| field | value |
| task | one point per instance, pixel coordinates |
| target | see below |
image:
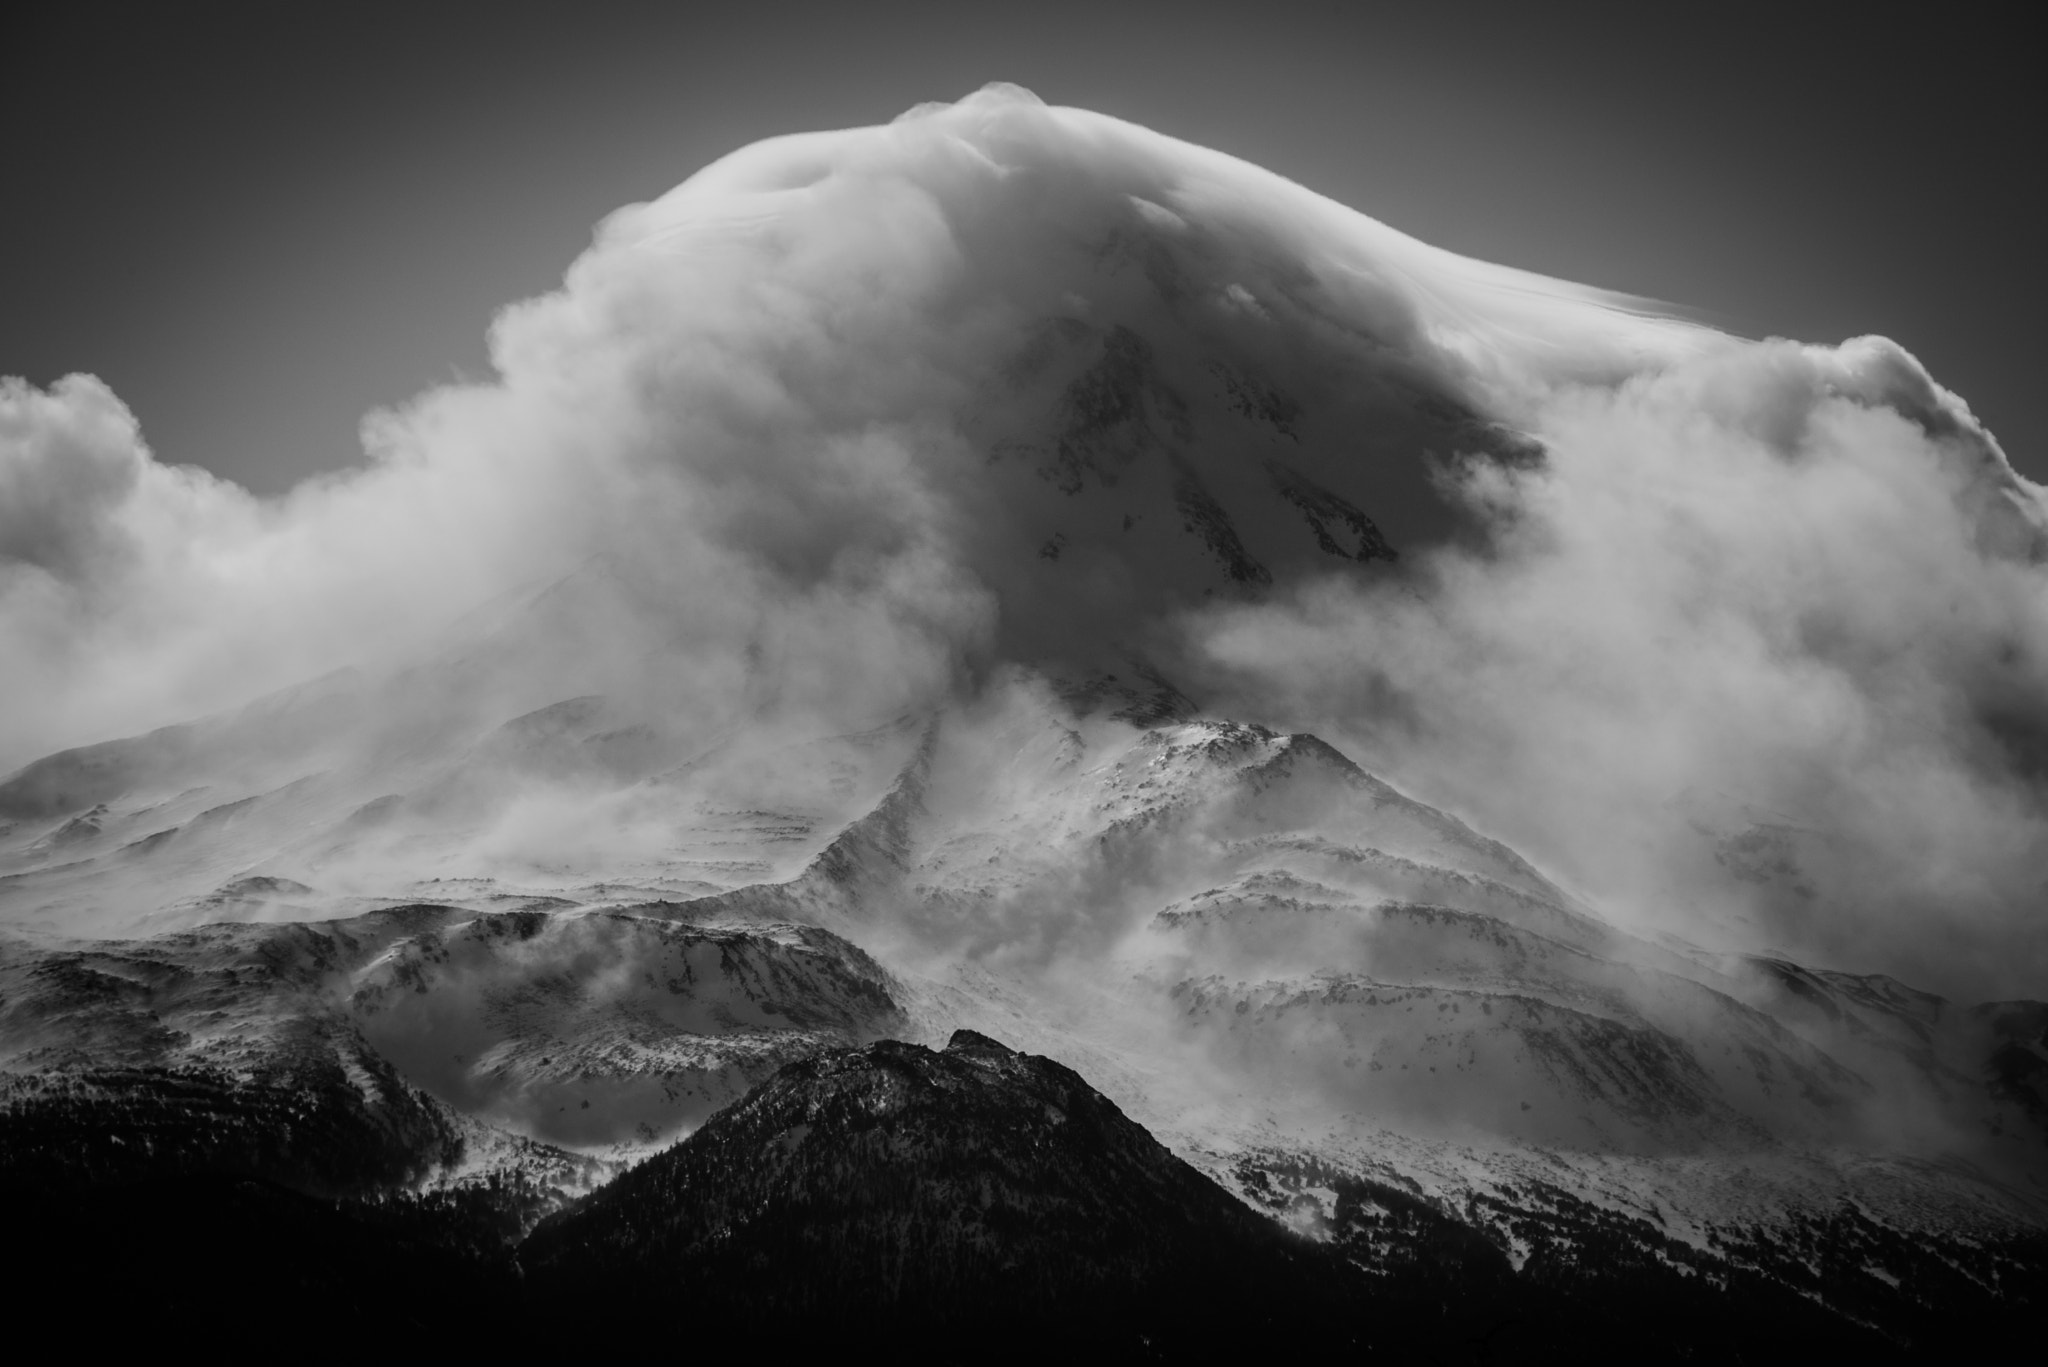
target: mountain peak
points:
(973, 1042)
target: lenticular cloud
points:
(1740, 636)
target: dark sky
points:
(258, 222)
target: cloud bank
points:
(1733, 635)
(1764, 644)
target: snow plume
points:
(1760, 656)
(1747, 631)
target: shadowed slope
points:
(930, 1192)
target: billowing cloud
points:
(1719, 629)
(777, 392)
(1762, 649)
(73, 460)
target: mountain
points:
(1342, 1006)
(931, 1196)
(979, 1201)
(1517, 807)
(419, 1045)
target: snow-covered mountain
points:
(965, 690)
(1290, 971)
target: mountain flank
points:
(903, 1191)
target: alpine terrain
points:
(1005, 731)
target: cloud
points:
(1759, 655)
(72, 459)
(849, 417)
(771, 391)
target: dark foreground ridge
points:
(898, 1190)
(971, 1203)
